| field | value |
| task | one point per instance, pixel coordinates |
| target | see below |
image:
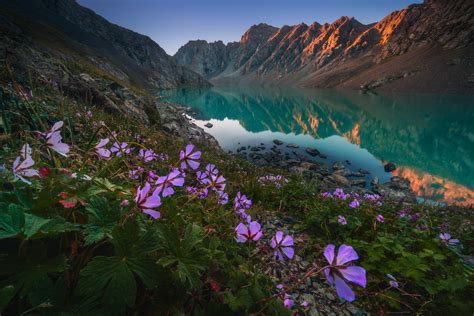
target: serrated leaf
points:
(110, 282)
(103, 216)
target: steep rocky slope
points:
(66, 29)
(404, 51)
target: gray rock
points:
(312, 151)
(292, 146)
(209, 125)
(338, 165)
(277, 142)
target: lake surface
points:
(429, 137)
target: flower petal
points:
(329, 253)
(354, 274)
(152, 213)
(343, 290)
(287, 241)
(288, 251)
(346, 254)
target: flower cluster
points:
(277, 181)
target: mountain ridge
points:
(347, 54)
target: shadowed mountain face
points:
(404, 51)
(430, 137)
(64, 29)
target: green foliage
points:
(69, 245)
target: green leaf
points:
(26, 273)
(110, 281)
(6, 294)
(15, 223)
(103, 216)
(11, 221)
(187, 256)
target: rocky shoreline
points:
(176, 119)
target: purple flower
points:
(372, 197)
(202, 177)
(203, 193)
(280, 286)
(393, 282)
(189, 158)
(415, 217)
(147, 202)
(135, 173)
(211, 169)
(242, 214)
(53, 139)
(120, 149)
(217, 182)
(191, 190)
(100, 149)
(288, 302)
(283, 245)
(326, 195)
(242, 202)
(379, 218)
(250, 231)
(147, 155)
(341, 220)
(165, 184)
(340, 194)
(341, 271)
(354, 204)
(403, 213)
(23, 163)
(223, 198)
(447, 240)
(151, 175)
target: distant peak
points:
(258, 33)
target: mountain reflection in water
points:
(430, 137)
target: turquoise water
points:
(429, 137)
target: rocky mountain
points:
(404, 51)
(66, 31)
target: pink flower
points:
(165, 184)
(251, 231)
(100, 149)
(23, 163)
(341, 271)
(379, 218)
(53, 139)
(147, 202)
(283, 245)
(189, 158)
